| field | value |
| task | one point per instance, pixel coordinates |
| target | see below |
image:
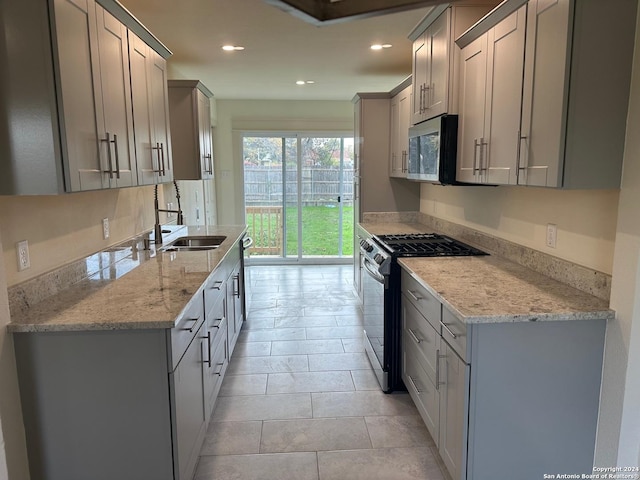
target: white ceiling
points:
(279, 49)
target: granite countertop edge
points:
(167, 281)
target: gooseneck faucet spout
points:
(157, 230)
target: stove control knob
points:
(366, 246)
(378, 258)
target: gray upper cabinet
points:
(435, 60)
(488, 137)
(69, 118)
(150, 113)
(560, 115)
(192, 144)
(574, 108)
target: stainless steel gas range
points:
(381, 294)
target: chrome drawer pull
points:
(414, 296)
(194, 320)
(444, 325)
(413, 384)
(438, 357)
(413, 335)
(217, 285)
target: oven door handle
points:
(377, 276)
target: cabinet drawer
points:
(454, 331)
(422, 390)
(422, 336)
(185, 329)
(428, 305)
(214, 290)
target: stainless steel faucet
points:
(157, 231)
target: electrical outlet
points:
(105, 228)
(22, 251)
(552, 235)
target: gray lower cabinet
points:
(129, 404)
(500, 398)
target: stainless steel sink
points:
(194, 243)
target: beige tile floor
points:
(300, 401)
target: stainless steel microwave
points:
(433, 148)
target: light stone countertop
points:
(148, 291)
(490, 289)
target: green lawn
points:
(319, 231)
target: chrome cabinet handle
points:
(159, 170)
(220, 320)
(115, 142)
(404, 161)
(209, 166)
(520, 139)
(413, 384)
(414, 296)
(109, 157)
(446, 327)
(414, 336)
(425, 97)
(217, 285)
(219, 372)
(208, 339)
(236, 291)
(164, 172)
(483, 164)
(421, 95)
(195, 322)
(476, 144)
(438, 357)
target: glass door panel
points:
(263, 194)
(299, 195)
(292, 233)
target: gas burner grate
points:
(425, 245)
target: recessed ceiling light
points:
(231, 48)
(300, 82)
(303, 82)
(380, 47)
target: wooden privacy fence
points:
(265, 227)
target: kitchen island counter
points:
(143, 289)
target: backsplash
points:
(583, 278)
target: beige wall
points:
(64, 228)
(13, 452)
(586, 219)
(235, 116)
(619, 423)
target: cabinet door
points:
(420, 71)
(544, 93)
(159, 99)
(404, 114)
(395, 163)
(436, 91)
(147, 156)
(454, 393)
(116, 144)
(505, 59)
(473, 80)
(421, 388)
(189, 406)
(204, 134)
(79, 93)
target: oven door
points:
(374, 288)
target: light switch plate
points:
(552, 235)
(105, 228)
(22, 251)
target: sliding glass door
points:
(299, 196)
